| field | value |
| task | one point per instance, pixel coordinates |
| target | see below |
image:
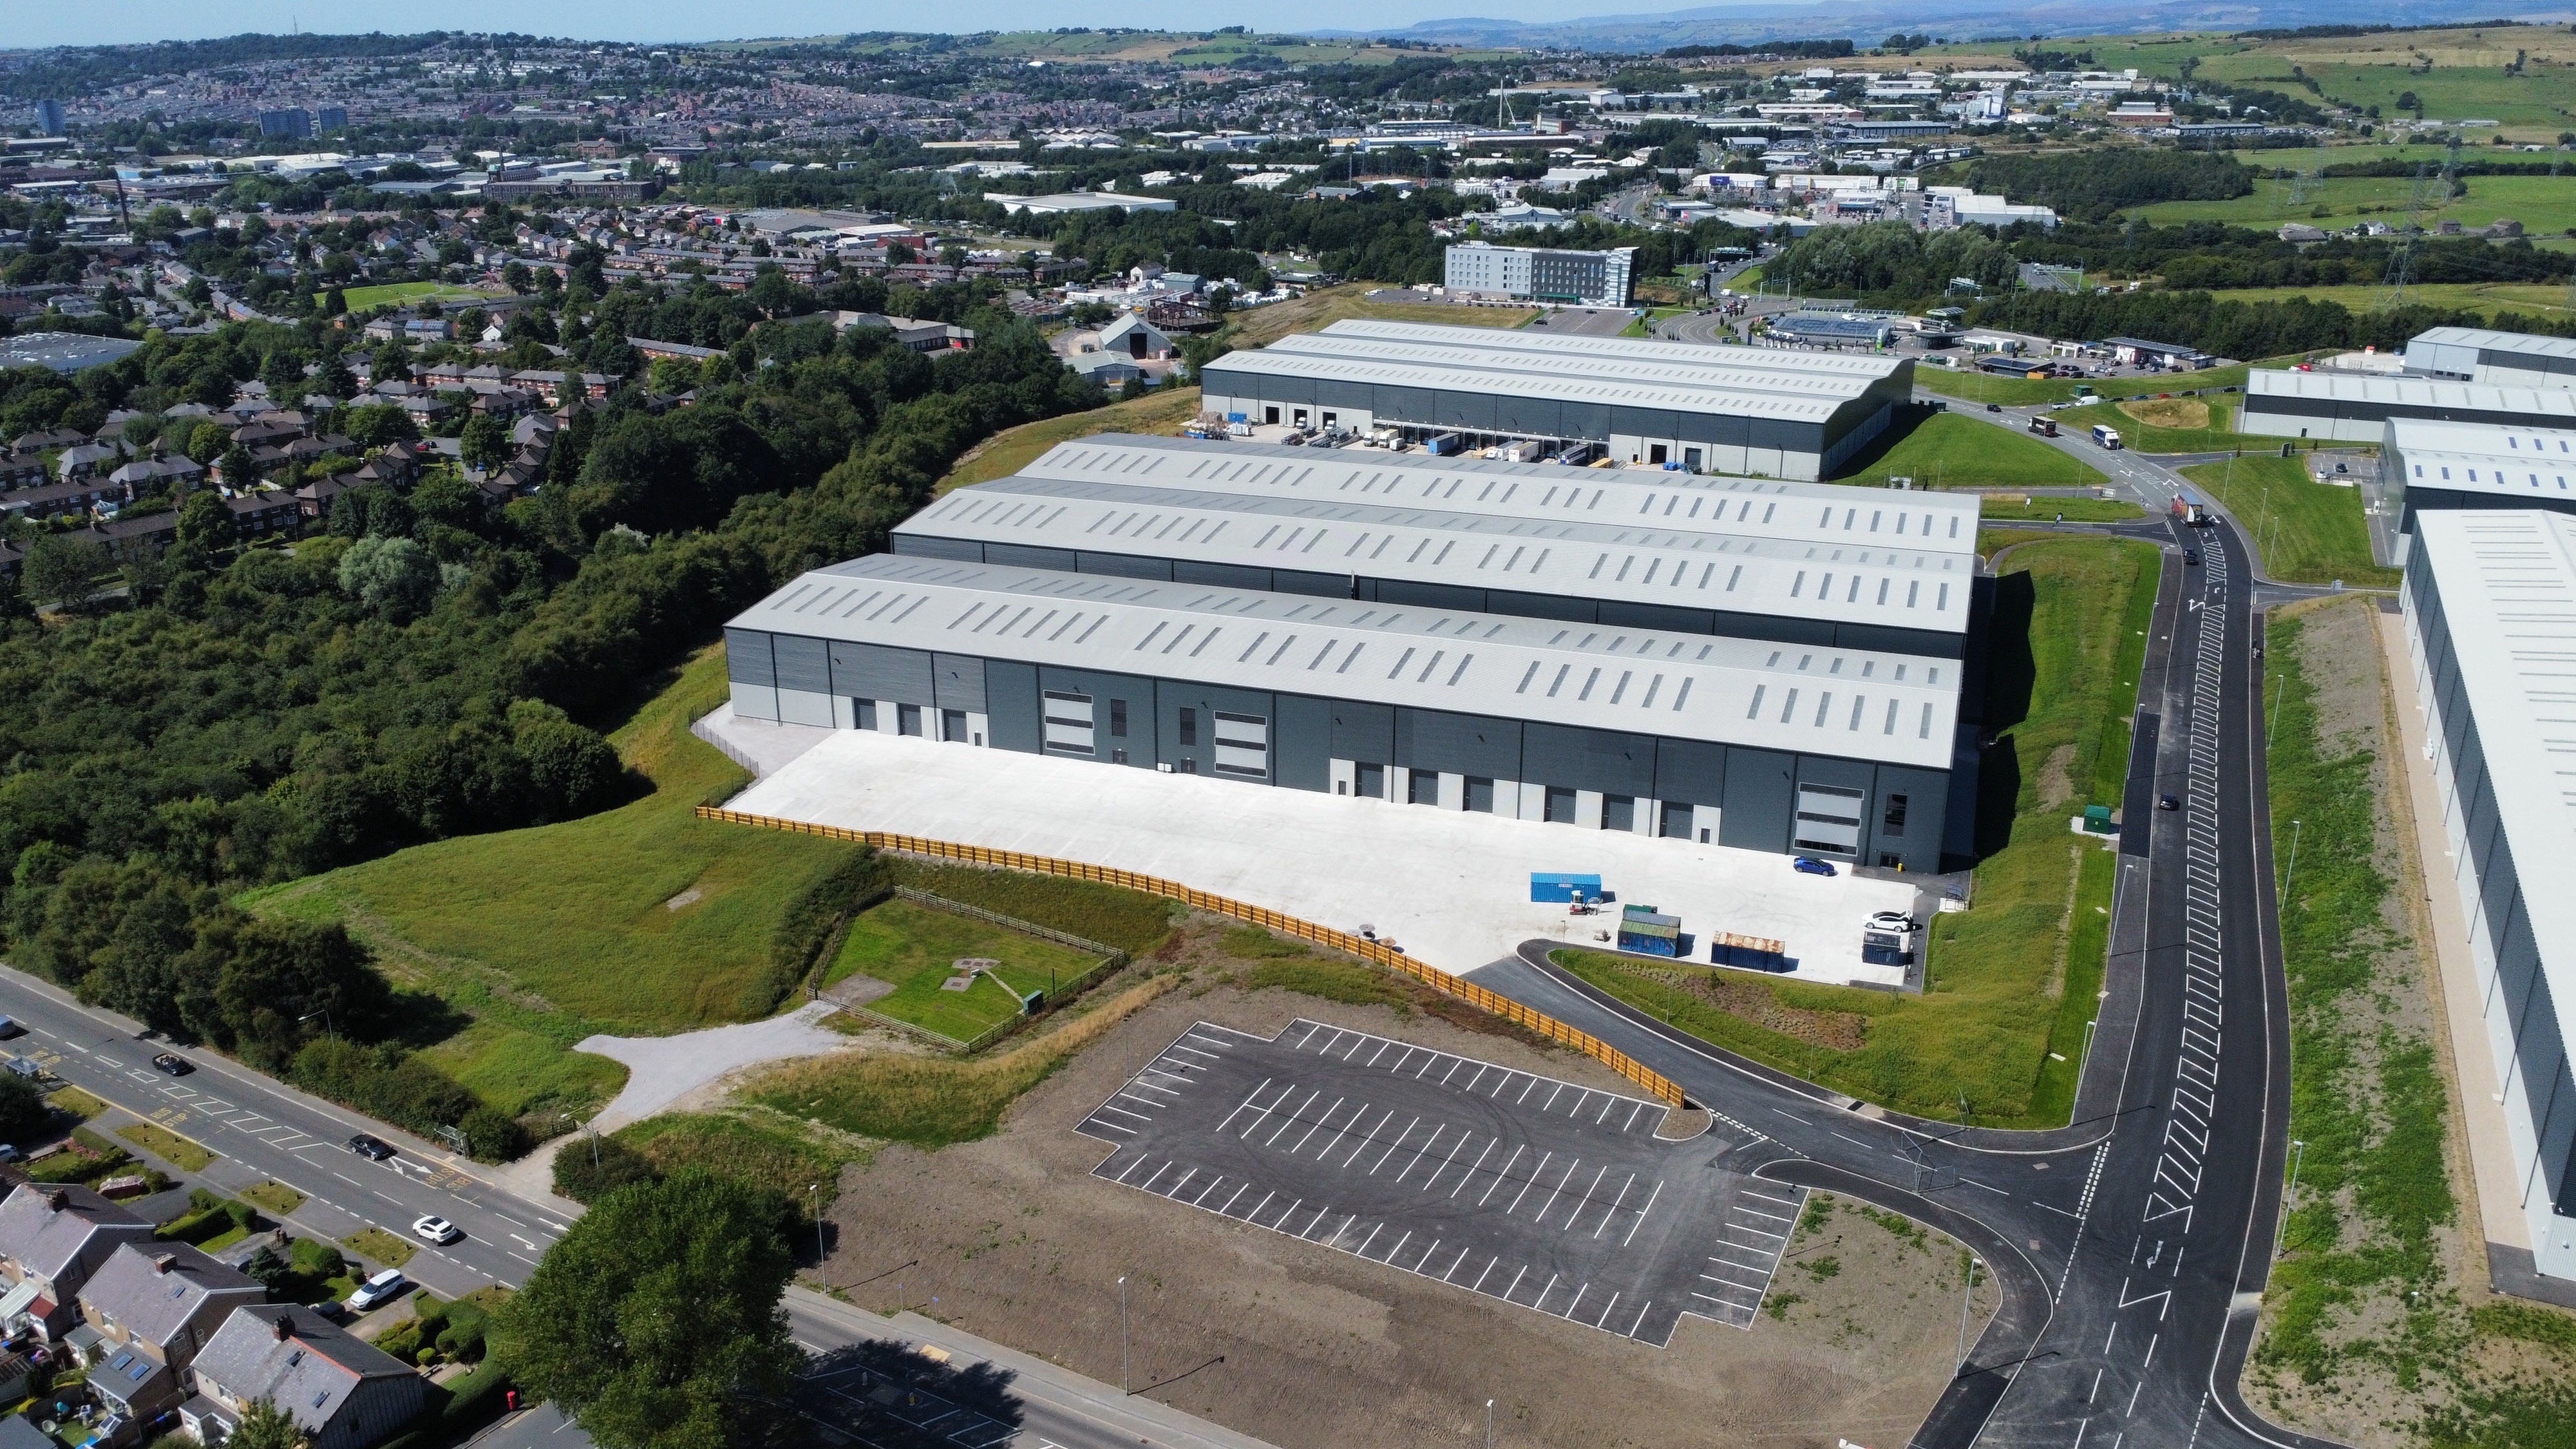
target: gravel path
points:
(667, 1068)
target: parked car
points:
(370, 1147)
(9, 1027)
(1809, 865)
(171, 1064)
(2168, 802)
(378, 1291)
(1894, 922)
(435, 1229)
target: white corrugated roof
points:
(2486, 457)
(1471, 374)
(2410, 392)
(1637, 349)
(2508, 584)
(2523, 343)
(1629, 498)
(1813, 698)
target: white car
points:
(436, 1230)
(383, 1288)
(1893, 922)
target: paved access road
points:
(2133, 1245)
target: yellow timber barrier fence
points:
(1655, 1083)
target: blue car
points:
(1809, 865)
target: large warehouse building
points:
(2499, 359)
(2490, 602)
(1761, 664)
(2355, 409)
(2430, 465)
(1764, 412)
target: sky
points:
(99, 22)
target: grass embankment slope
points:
(2012, 981)
(1969, 385)
(1008, 451)
(2309, 532)
(1947, 450)
(1264, 325)
(914, 949)
(637, 920)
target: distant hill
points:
(1868, 21)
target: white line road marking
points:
(1641, 1213)
(1501, 1173)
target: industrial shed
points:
(2501, 359)
(2350, 409)
(2439, 465)
(1820, 749)
(1735, 557)
(1764, 412)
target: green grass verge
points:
(757, 1145)
(935, 1101)
(169, 1146)
(2046, 508)
(1132, 921)
(2145, 437)
(1947, 450)
(77, 1102)
(2543, 204)
(378, 1246)
(395, 294)
(2309, 532)
(1976, 387)
(2014, 978)
(2365, 1095)
(276, 1197)
(637, 920)
(912, 947)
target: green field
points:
(2309, 532)
(1977, 387)
(910, 947)
(2013, 979)
(2048, 508)
(395, 294)
(2139, 434)
(2545, 205)
(1947, 450)
(2487, 298)
(637, 920)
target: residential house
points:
(176, 474)
(134, 540)
(51, 439)
(552, 385)
(916, 333)
(11, 556)
(344, 1393)
(52, 1238)
(80, 496)
(154, 1306)
(1134, 337)
(87, 460)
(264, 513)
(21, 470)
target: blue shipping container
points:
(1649, 945)
(1563, 889)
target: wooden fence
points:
(1655, 1084)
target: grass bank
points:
(914, 948)
(2046, 508)
(1947, 450)
(1008, 451)
(637, 920)
(2309, 532)
(1969, 385)
(1265, 325)
(2012, 981)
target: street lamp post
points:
(325, 1014)
(1489, 1424)
(2292, 873)
(1967, 1291)
(1122, 1335)
(814, 1195)
(2298, 1155)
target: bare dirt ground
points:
(1016, 1241)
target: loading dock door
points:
(1242, 745)
(1068, 724)
(1828, 820)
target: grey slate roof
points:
(310, 1372)
(49, 1240)
(153, 1304)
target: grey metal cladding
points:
(1428, 596)
(1788, 436)
(1458, 744)
(1021, 555)
(958, 679)
(1301, 743)
(747, 658)
(1407, 404)
(1300, 581)
(1123, 565)
(802, 663)
(1721, 429)
(1888, 639)
(1828, 770)
(1654, 616)
(1644, 422)
(1691, 772)
(1171, 696)
(1775, 627)
(1363, 731)
(1605, 760)
(1755, 815)
(923, 545)
(1278, 389)
(1335, 393)
(1470, 410)
(1583, 419)
(1011, 703)
(1537, 415)
(1567, 607)
(1232, 576)
(879, 671)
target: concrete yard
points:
(1451, 887)
(1547, 1194)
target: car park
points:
(378, 1291)
(171, 1064)
(1809, 865)
(436, 1229)
(371, 1147)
